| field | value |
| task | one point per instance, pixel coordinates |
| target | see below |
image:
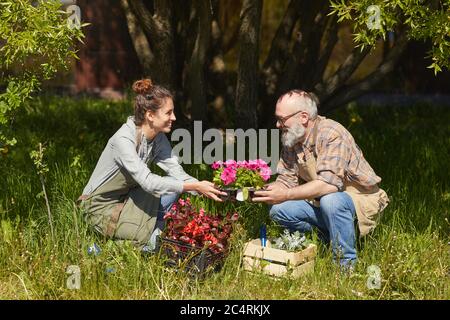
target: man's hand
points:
(274, 193)
(277, 192)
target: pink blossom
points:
(261, 163)
(217, 164)
(231, 164)
(242, 164)
(265, 173)
(228, 176)
(253, 165)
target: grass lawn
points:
(408, 147)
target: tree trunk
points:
(299, 66)
(287, 68)
(196, 74)
(217, 75)
(279, 49)
(329, 39)
(188, 49)
(246, 99)
(273, 67)
(160, 33)
(140, 42)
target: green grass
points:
(407, 147)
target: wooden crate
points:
(276, 262)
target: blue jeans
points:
(334, 220)
(165, 203)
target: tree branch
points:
(311, 53)
(327, 88)
(228, 19)
(306, 47)
(160, 34)
(216, 73)
(140, 42)
(190, 32)
(145, 17)
(279, 49)
(351, 92)
(330, 39)
(196, 83)
(246, 99)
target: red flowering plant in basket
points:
(198, 229)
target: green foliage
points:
(42, 169)
(423, 20)
(36, 41)
(38, 158)
(291, 241)
(248, 178)
(244, 178)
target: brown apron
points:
(368, 203)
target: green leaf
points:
(245, 193)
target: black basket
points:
(194, 260)
(231, 194)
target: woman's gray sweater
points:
(120, 152)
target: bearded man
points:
(323, 180)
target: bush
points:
(36, 41)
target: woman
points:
(123, 199)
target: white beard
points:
(292, 135)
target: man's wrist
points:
(288, 194)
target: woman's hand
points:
(206, 188)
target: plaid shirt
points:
(339, 160)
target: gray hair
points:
(308, 100)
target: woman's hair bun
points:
(142, 86)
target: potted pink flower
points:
(240, 179)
